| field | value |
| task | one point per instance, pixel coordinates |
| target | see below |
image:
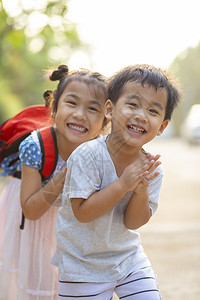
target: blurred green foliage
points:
(186, 67)
(26, 53)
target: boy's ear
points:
(162, 127)
(108, 110)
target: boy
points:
(111, 189)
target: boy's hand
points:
(140, 170)
(136, 172)
(152, 176)
(156, 163)
(142, 187)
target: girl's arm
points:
(35, 199)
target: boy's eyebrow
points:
(134, 96)
(138, 97)
(95, 102)
(158, 105)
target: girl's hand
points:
(59, 179)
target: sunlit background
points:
(117, 33)
(105, 36)
(130, 32)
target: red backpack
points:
(17, 128)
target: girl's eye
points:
(71, 102)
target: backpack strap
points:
(49, 149)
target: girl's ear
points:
(53, 112)
(162, 127)
(108, 110)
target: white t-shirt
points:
(102, 250)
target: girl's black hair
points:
(145, 74)
(95, 81)
(48, 96)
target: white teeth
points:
(77, 128)
(136, 128)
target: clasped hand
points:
(140, 171)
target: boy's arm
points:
(86, 210)
(99, 203)
(138, 211)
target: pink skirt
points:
(25, 269)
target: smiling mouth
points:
(77, 128)
(136, 129)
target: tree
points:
(186, 67)
(36, 37)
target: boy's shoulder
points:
(92, 146)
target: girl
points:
(78, 111)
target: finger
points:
(154, 166)
(141, 164)
(152, 176)
(149, 166)
(154, 157)
(142, 176)
(140, 168)
(145, 181)
(139, 178)
(149, 155)
(146, 157)
(157, 157)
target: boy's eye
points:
(92, 108)
(153, 111)
(133, 104)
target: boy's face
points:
(138, 115)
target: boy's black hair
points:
(145, 74)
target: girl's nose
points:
(79, 114)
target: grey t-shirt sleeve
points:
(83, 178)
(154, 190)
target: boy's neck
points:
(121, 154)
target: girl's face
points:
(79, 115)
(138, 115)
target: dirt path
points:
(172, 238)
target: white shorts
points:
(140, 284)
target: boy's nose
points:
(141, 116)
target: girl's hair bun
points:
(60, 73)
(48, 96)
